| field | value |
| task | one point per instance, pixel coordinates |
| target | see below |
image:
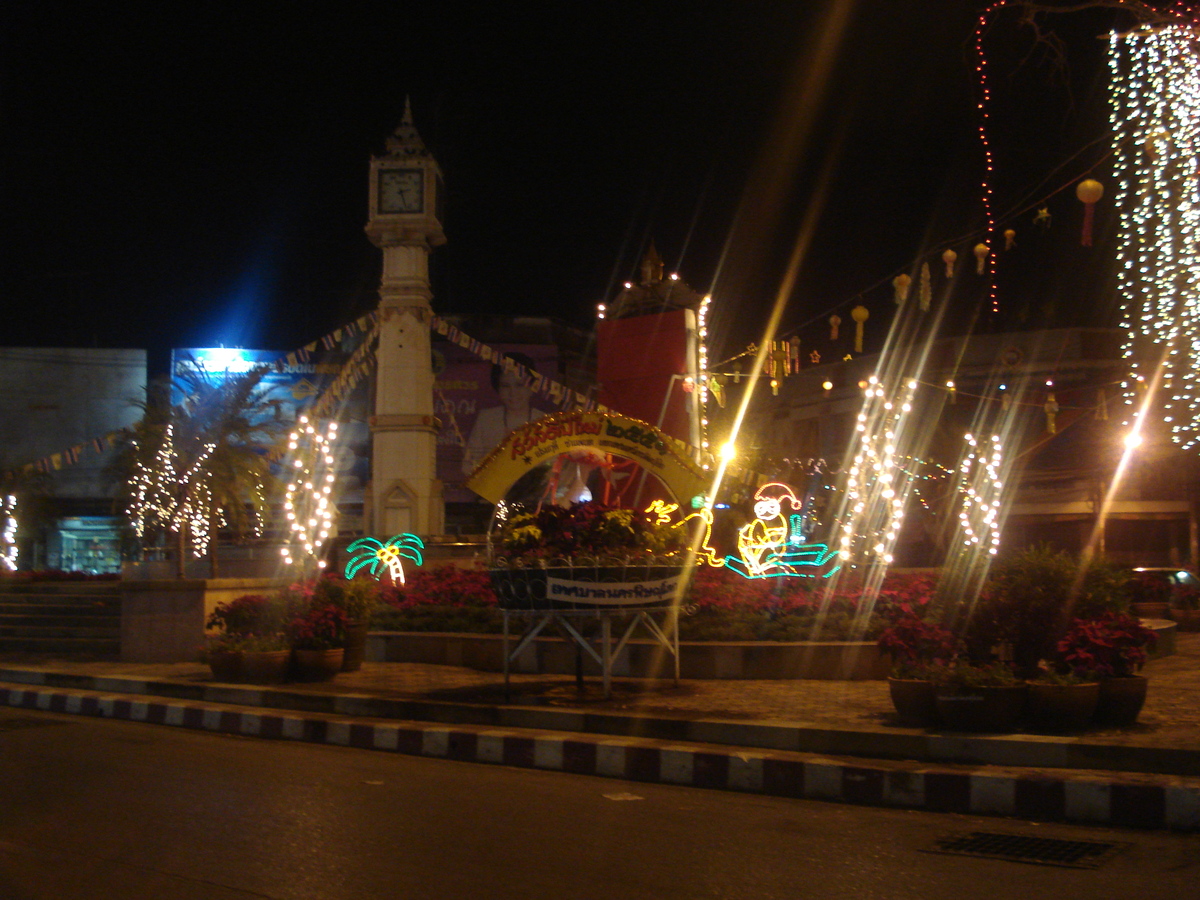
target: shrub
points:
(914, 644)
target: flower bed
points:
(721, 606)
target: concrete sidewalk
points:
(827, 739)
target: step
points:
(9, 620)
(106, 647)
(89, 633)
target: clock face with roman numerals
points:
(401, 191)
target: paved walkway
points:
(769, 736)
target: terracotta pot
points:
(317, 665)
(264, 666)
(1121, 700)
(915, 701)
(226, 665)
(993, 709)
(1061, 707)
(356, 646)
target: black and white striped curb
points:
(1133, 800)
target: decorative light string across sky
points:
(308, 503)
(1155, 112)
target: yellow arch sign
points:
(538, 442)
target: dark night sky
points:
(195, 174)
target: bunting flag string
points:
(561, 395)
(364, 325)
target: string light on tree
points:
(8, 535)
(979, 487)
(877, 485)
(153, 500)
(1155, 113)
(308, 503)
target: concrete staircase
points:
(73, 618)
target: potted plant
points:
(919, 650)
(980, 697)
(318, 637)
(249, 644)
(1029, 600)
(358, 598)
(1114, 647)
(1150, 593)
(553, 557)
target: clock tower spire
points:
(404, 222)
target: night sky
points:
(179, 175)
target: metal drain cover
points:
(1037, 850)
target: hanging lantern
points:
(949, 257)
(737, 373)
(1051, 408)
(1089, 193)
(795, 347)
(952, 389)
(1010, 238)
(900, 284)
(981, 255)
(859, 314)
(716, 386)
(834, 322)
(779, 353)
(925, 291)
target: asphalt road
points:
(98, 809)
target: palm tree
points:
(384, 554)
(201, 465)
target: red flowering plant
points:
(319, 628)
(591, 531)
(1112, 646)
(444, 598)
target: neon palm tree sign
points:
(376, 555)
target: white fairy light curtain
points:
(1155, 112)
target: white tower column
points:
(406, 494)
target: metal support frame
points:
(603, 652)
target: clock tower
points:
(404, 222)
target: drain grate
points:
(1037, 850)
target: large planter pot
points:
(915, 701)
(1061, 707)
(356, 646)
(317, 665)
(1121, 700)
(585, 586)
(1186, 619)
(264, 666)
(226, 665)
(994, 709)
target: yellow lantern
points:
(900, 284)
(1010, 238)
(1089, 192)
(859, 314)
(981, 255)
(949, 257)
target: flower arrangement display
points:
(1112, 646)
(588, 531)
